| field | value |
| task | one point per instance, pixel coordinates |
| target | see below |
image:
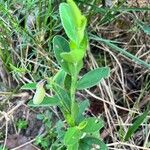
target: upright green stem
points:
(73, 90)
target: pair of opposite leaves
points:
(74, 24)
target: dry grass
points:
(120, 98)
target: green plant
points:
(46, 118)
(45, 140)
(35, 24)
(2, 148)
(82, 133)
(21, 124)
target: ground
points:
(26, 55)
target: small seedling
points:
(82, 133)
(21, 124)
(43, 142)
(52, 132)
(46, 118)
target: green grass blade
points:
(136, 125)
(119, 9)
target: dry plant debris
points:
(118, 100)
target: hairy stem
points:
(73, 89)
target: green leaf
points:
(80, 20)
(47, 101)
(68, 21)
(82, 106)
(62, 95)
(81, 29)
(18, 70)
(82, 125)
(136, 125)
(75, 11)
(92, 125)
(83, 45)
(72, 136)
(61, 45)
(75, 68)
(73, 56)
(144, 27)
(39, 94)
(77, 51)
(73, 147)
(59, 126)
(87, 143)
(59, 77)
(29, 86)
(93, 77)
(83, 145)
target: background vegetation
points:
(119, 34)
